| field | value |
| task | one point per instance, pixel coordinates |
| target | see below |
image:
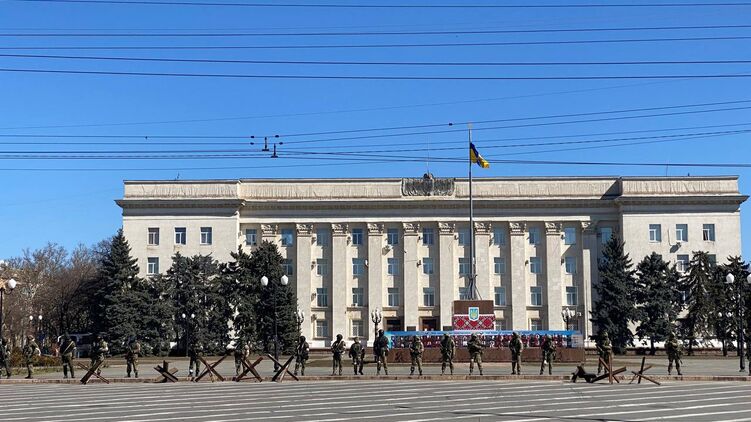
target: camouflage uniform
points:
(5, 357)
(241, 352)
(99, 350)
(301, 355)
(67, 351)
(30, 351)
(194, 352)
(416, 349)
(448, 350)
(548, 354)
(356, 353)
(337, 348)
(516, 347)
(132, 352)
(381, 351)
(475, 346)
(674, 349)
(604, 349)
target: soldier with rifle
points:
(475, 346)
(381, 352)
(132, 352)
(4, 357)
(604, 350)
(99, 350)
(240, 353)
(30, 352)
(448, 350)
(67, 352)
(194, 351)
(301, 355)
(516, 347)
(416, 349)
(674, 350)
(356, 352)
(337, 348)
(548, 354)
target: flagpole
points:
(472, 272)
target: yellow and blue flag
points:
(475, 157)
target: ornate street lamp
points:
(568, 314)
(730, 279)
(376, 316)
(300, 318)
(5, 286)
(265, 282)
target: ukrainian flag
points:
(475, 157)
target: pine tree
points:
(157, 310)
(658, 298)
(726, 297)
(615, 307)
(242, 289)
(697, 283)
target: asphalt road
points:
(403, 401)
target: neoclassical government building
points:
(402, 245)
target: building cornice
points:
(180, 203)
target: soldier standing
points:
(4, 357)
(416, 348)
(194, 351)
(475, 347)
(241, 352)
(674, 349)
(132, 352)
(516, 347)
(356, 353)
(30, 351)
(337, 348)
(99, 350)
(381, 351)
(67, 351)
(301, 355)
(448, 350)
(548, 354)
(604, 349)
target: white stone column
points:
(482, 264)
(304, 274)
(411, 285)
(554, 299)
(375, 273)
(446, 272)
(518, 276)
(589, 270)
(340, 273)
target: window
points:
(357, 236)
(251, 237)
(499, 264)
(464, 266)
(464, 237)
(499, 237)
(712, 260)
(181, 235)
(322, 266)
(569, 236)
(322, 237)
(605, 234)
(500, 296)
(572, 298)
(534, 235)
(288, 237)
(392, 266)
(358, 266)
(322, 328)
(322, 297)
(206, 235)
(535, 324)
(535, 295)
(393, 293)
(428, 296)
(357, 328)
(681, 263)
(655, 233)
(288, 267)
(428, 236)
(152, 266)
(464, 293)
(427, 265)
(570, 264)
(357, 296)
(535, 265)
(707, 231)
(500, 324)
(392, 236)
(153, 236)
(681, 232)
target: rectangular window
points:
(535, 324)
(322, 266)
(535, 265)
(464, 266)
(153, 236)
(570, 264)
(535, 296)
(322, 297)
(427, 265)
(534, 235)
(322, 328)
(681, 232)
(428, 237)
(251, 237)
(357, 236)
(206, 235)
(500, 296)
(499, 237)
(707, 231)
(358, 296)
(358, 267)
(572, 298)
(569, 236)
(181, 235)
(357, 328)
(655, 233)
(323, 237)
(392, 266)
(152, 266)
(393, 293)
(288, 237)
(428, 296)
(681, 263)
(392, 236)
(712, 260)
(500, 324)
(464, 293)
(288, 267)
(605, 234)
(499, 265)
(464, 237)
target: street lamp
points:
(730, 279)
(187, 328)
(8, 286)
(299, 317)
(568, 314)
(376, 316)
(265, 282)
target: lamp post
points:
(568, 314)
(730, 279)
(5, 286)
(265, 282)
(187, 324)
(376, 316)
(300, 318)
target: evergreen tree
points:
(698, 285)
(658, 297)
(725, 298)
(242, 288)
(615, 306)
(157, 310)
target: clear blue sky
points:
(71, 207)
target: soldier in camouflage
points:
(240, 353)
(604, 350)
(132, 352)
(548, 354)
(516, 347)
(448, 350)
(194, 351)
(4, 357)
(301, 355)
(337, 348)
(475, 346)
(381, 352)
(99, 350)
(356, 353)
(30, 352)
(416, 348)
(674, 350)
(67, 352)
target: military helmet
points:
(302, 339)
(515, 334)
(380, 332)
(605, 334)
(446, 335)
(357, 339)
(338, 336)
(30, 337)
(414, 338)
(547, 337)
(66, 336)
(473, 335)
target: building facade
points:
(402, 245)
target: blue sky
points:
(53, 203)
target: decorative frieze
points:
(339, 229)
(517, 228)
(411, 228)
(446, 228)
(304, 229)
(269, 229)
(375, 228)
(553, 228)
(483, 227)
